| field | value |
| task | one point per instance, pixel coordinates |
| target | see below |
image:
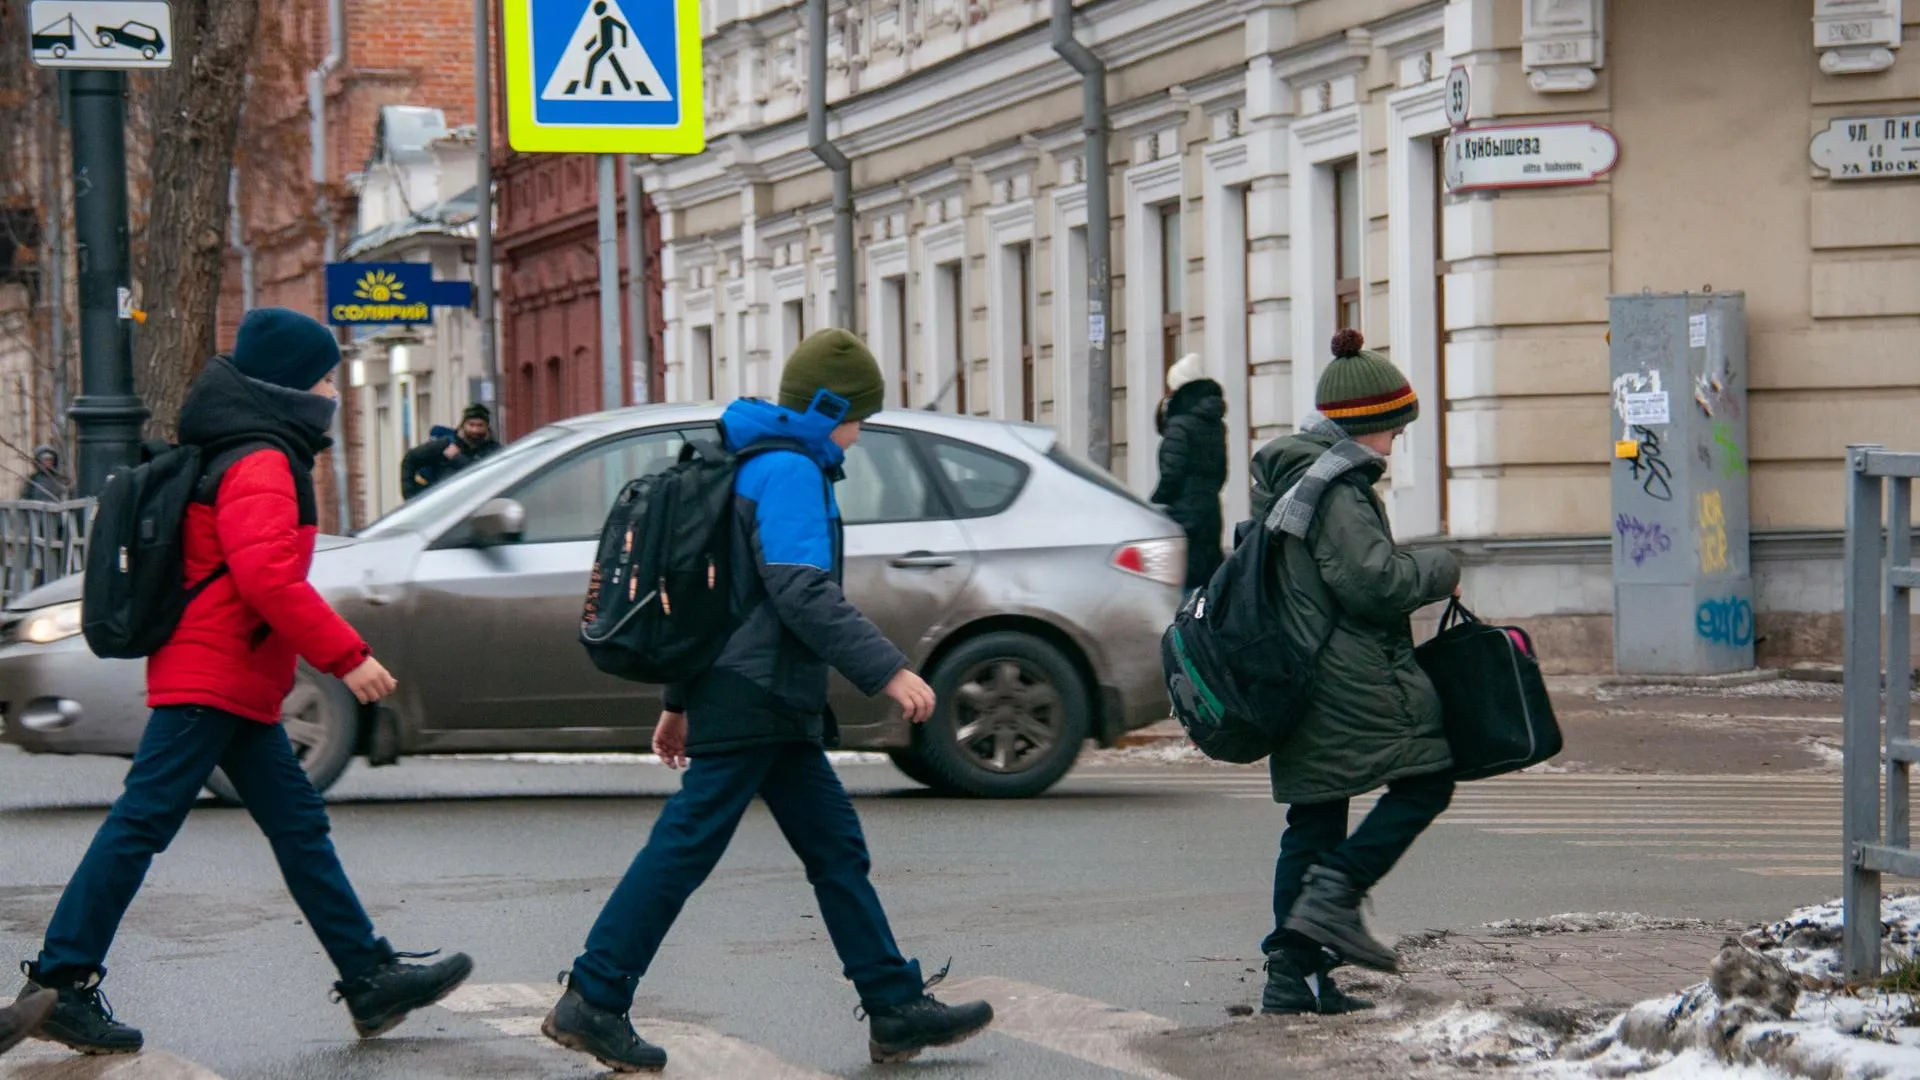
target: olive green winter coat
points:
(1372, 716)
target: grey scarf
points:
(1293, 512)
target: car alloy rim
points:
(304, 716)
(1007, 716)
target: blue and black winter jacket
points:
(770, 683)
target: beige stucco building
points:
(1276, 171)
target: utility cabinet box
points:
(1682, 582)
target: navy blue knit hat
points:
(285, 348)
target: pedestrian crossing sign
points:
(604, 76)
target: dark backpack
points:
(1237, 680)
(660, 599)
(135, 591)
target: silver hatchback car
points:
(1029, 587)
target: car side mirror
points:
(498, 521)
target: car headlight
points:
(50, 624)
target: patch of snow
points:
(1463, 1035)
(1620, 1061)
(1583, 922)
(1162, 752)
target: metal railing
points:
(41, 542)
(1880, 580)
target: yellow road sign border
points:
(530, 137)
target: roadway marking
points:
(693, 1051)
(47, 1061)
(1093, 1031)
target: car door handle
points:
(922, 560)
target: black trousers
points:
(1317, 835)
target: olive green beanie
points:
(837, 361)
(1362, 391)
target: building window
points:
(1346, 244)
(700, 363)
(950, 326)
(423, 400)
(554, 405)
(742, 370)
(1173, 280)
(1440, 268)
(893, 331)
(1023, 278)
(793, 316)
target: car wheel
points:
(106, 39)
(909, 761)
(320, 717)
(59, 52)
(1013, 713)
(149, 52)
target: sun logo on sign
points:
(379, 286)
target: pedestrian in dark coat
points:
(756, 723)
(216, 688)
(447, 452)
(46, 483)
(1372, 717)
(1193, 464)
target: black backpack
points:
(135, 591)
(1238, 682)
(660, 599)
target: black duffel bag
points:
(1493, 699)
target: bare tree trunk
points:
(196, 119)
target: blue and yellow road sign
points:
(604, 76)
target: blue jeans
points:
(805, 797)
(1317, 834)
(180, 749)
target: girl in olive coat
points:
(1372, 716)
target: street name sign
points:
(389, 294)
(604, 76)
(1459, 97)
(100, 33)
(1529, 155)
(1869, 147)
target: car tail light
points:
(1164, 561)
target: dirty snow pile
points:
(1776, 1001)
(1775, 1007)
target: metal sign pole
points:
(108, 415)
(637, 283)
(611, 395)
(483, 219)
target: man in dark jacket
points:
(757, 723)
(1193, 464)
(1372, 716)
(46, 484)
(445, 454)
(216, 689)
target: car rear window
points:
(1087, 470)
(981, 482)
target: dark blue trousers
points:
(1317, 834)
(180, 749)
(816, 816)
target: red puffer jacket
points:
(236, 647)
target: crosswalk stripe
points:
(1093, 1031)
(695, 1052)
(44, 1061)
(1713, 843)
(1754, 830)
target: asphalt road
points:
(1131, 899)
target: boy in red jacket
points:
(216, 687)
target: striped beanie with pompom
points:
(1362, 392)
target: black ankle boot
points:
(899, 1032)
(1332, 1000)
(1288, 993)
(82, 1020)
(382, 998)
(1328, 913)
(578, 1024)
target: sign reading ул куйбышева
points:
(389, 294)
(1869, 147)
(1528, 155)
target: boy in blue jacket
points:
(757, 723)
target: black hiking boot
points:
(1288, 993)
(24, 1017)
(1328, 913)
(578, 1024)
(899, 1032)
(382, 998)
(81, 1020)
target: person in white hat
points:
(1193, 463)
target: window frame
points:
(957, 509)
(941, 504)
(687, 432)
(1346, 290)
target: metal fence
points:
(41, 542)
(1880, 580)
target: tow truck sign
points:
(101, 33)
